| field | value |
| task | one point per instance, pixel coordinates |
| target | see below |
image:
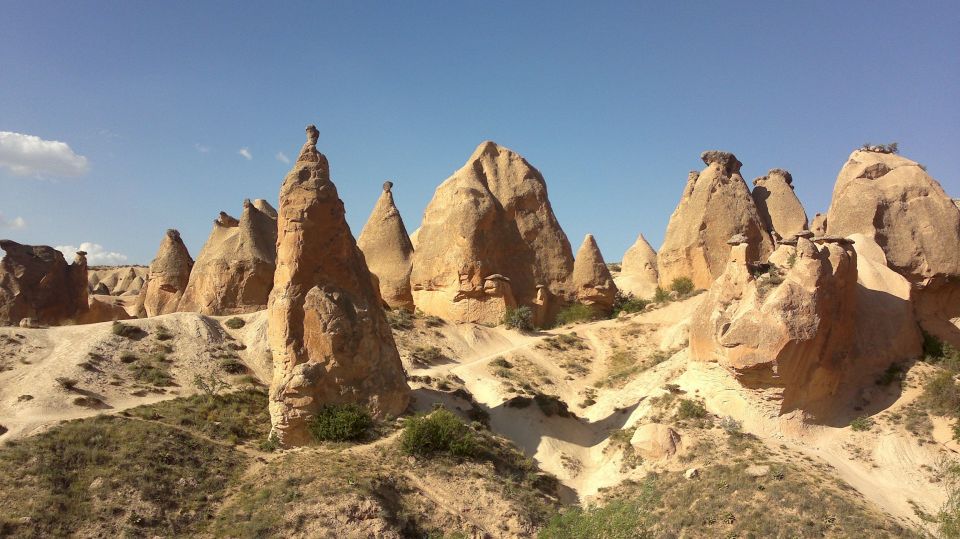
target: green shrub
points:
(682, 285)
(660, 295)
(941, 395)
(440, 432)
(625, 302)
(691, 409)
(861, 424)
(426, 355)
(932, 347)
(894, 373)
(400, 319)
(577, 312)
(619, 519)
(340, 423)
(501, 361)
(123, 330)
(520, 318)
(66, 383)
(551, 405)
(232, 366)
(234, 323)
(163, 334)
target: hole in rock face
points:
(724, 329)
(875, 171)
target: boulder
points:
(37, 283)
(638, 269)
(103, 309)
(328, 333)
(167, 277)
(233, 273)
(591, 279)
(655, 441)
(778, 206)
(819, 225)
(716, 204)
(388, 251)
(491, 217)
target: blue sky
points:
(613, 102)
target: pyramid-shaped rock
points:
(327, 329)
(491, 218)
(715, 206)
(37, 283)
(167, 277)
(777, 204)
(233, 273)
(638, 269)
(591, 278)
(388, 251)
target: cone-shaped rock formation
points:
(388, 251)
(591, 278)
(777, 204)
(167, 277)
(638, 269)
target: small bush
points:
(234, 323)
(210, 385)
(520, 318)
(128, 357)
(426, 355)
(340, 423)
(861, 424)
(617, 519)
(551, 405)
(441, 431)
(269, 445)
(577, 312)
(894, 373)
(163, 334)
(731, 425)
(625, 302)
(682, 285)
(941, 395)
(123, 330)
(232, 366)
(400, 319)
(690, 409)
(66, 383)
(501, 362)
(661, 296)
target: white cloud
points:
(96, 254)
(283, 158)
(245, 152)
(201, 148)
(29, 155)
(15, 224)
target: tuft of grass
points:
(440, 432)
(577, 312)
(340, 423)
(400, 319)
(426, 355)
(123, 330)
(520, 318)
(163, 334)
(153, 369)
(233, 366)
(619, 519)
(501, 362)
(625, 302)
(682, 285)
(234, 323)
(235, 417)
(862, 424)
(661, 296)
(66, 383)
(691, 409)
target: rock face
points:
(655, 441)
(819, 226)
(778, 206)
(638, 269)
(234, 272)
(327, 330)
(794, 338)
(491, 217)
(591, 279)
(167, 277)
(716, 204)
(37, 283)
(119, 281)
(388, 251)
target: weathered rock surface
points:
(819, 225)
(118, 280)
(491, 217)
(327, 330)
(778, 206)
(167, 277)
(37, 283)
(591, 279)
(716, 204)
(103, 309)
(638, 269)
(388, 251)
(233, 273)
(655, 441)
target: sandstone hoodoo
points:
(638, 269)
(819, 225)
(388, 251)
(491, 217)
(167, 277)
(327, 330)
(37, 283)
(778, 206)
(591, 279)
(716, 204)
(234, 272)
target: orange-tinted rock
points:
(388, 251)
(167, 277)
(591, 279)
(37, 283)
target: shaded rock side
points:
(778, 206)
(37, 283)
(388, 251)
(591, 278)
(638, 269)
(233, 273)
(327, 330)
(491, 217)
(716, 205)
(167, 277)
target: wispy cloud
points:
(14, 224)
(282, 158)
(30, 155)
(201, 148)
(96, 254)
(245, 152)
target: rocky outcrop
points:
(234, 272)
(388, 251)
(327, 330)
(37, 283)
(103, 309)
(638, 269)
(591, 279)
(778, 206)
(819, 225)
(167, 277)
(716, 204)
(119, 281)
(655, 441)
(491, 217)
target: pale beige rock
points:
(233, 273)
(103, 309)
(118, 280)
(778, 206)
(167, 277)
(655, 441)
(327, 330)
(819, 226)
(638, 269)
(490, 217)
(37, 283)
(716, 204)
(388, 251)
(591, 279)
